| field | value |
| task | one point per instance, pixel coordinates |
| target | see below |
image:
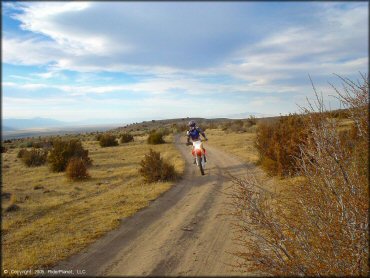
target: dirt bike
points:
(199, 153)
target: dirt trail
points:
(182, 233)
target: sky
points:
(131, 61)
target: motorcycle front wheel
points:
(199, 160)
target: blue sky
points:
(117, 61)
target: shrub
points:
(319, 227)
(76, 169)
(164, 131)
(251, 121)
(278, 144)
(21, 153)
(154, 168)
(155, 138)
(237, 126)
(179, 127)
(3, 149)
(108, 140)
(34, 157)
(63, 151)
(98, 136)
(210, 125)
(126, 138)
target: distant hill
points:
(14, 124)
(7, 128)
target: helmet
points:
(192, 123)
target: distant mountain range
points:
(16, 124)
(9, 125)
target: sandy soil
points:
(185, 232)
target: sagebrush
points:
(76, 169)
(63, 151)
(155, 138)
(108, 140)
(278, 143)
(126, 138)
(34, 157)
(153, 168)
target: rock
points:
(37, 187)
(46, 191)
(11, 208)
(188, 229)
(6, 195)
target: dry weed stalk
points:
(320, 227)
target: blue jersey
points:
(194, 133)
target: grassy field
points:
(238, 144)
(57, 217)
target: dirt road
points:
(182, 233)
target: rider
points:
(194, 133)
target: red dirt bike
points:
(199, 153)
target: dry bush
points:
(126, 138)
(98, 136)
(108, 140)
(34, 157)
(154, 168)
(21, 152)
(251, 121)
(180, 127)
(278, 144)
(3, 149)
(320, 226)
(155, 138)
(76, 169)
(164, 131)
(63, 151)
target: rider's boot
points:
(194, 161)
(205, 158)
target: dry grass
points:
(58, 218)
(238, 144)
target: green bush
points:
(154, 168)
(155, 138)
(108, 140)
(278, 144)
(76, 169)
(126, 138)
(63, 151)
(34, 157)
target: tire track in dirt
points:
(183, 232)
